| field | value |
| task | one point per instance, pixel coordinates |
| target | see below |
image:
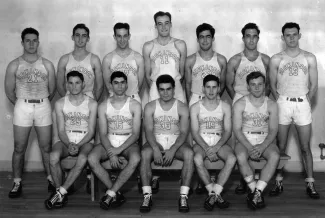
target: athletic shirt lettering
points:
(211, 121)
(84, 67)
(129, 66)
(76, 117)
(255, 119)
(203, 68)
(119, 121)
(166, 122)
(246, 67)
(166, 60)
(32, 80)
(293, 75)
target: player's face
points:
(80, 38)
(291, 37)
(122, 38)
(256, 87)
(119, 85)
(30, 43)
(205, 40)
(250, 39)
(211, 90)
(75, 85)
(166, 91)
(163, 25)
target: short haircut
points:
(250, 26)
(254, 75)
(75, 73)
(121, 26)
(118, 74)
(81, 26)
(289, 26)
(160, 14)
(165, 78)
(29, 30)
(209, 78)
(203, 27)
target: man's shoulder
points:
(308, 54)
(60, 101)
(235, 59)
(13, 65)
(134, 104)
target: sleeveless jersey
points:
(255, 119)
(32, 80)
(211, 121)
(166, 122)
(165, 59)
(84, 67)
(128, 66)
(76, 117)
(119, 121)
(202, 68)
(293, 75)
(246, 67)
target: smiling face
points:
(291, 37)
(80, 38)
(205, 40)
(122, 38)
(30, 43)
(250, 39)
(256, 87)
(163, 25)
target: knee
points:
(92, 159)
(274, 156)
(305, 149)
(82, 160)
(241, 157)
(198, 160)
(188, 155)
(135, 160)
(231, 160)
(54, 158)
(20, 149)
(146, 154)
(46, 149)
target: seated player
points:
(76, 119)
(211, 129)
(255, 124)
(166, 127)
(119, 130)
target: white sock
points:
(309, 180)
(111, 193)
(184, 190)
(209, 187)
(155, 177)
(146, 189)
(261, 185)
(62, 190)
(250, 182)
(17, 180)
(279, 178)
(217, 189)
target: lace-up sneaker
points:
(118, 200)
(146, 204)
(277, 189)
(56, 200)
(155, 186)
(106, 202)
(256, 200)
(221, 203)
(311, 191)
(210, 201)
(16, 190)
(183, 204)
(51, 188)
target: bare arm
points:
(10, 81)
(95, 62)
(273, 124)
(60, 122)
(140, 62)
(146, 50)
(189, 63)
(266, 62)
(149, 125)
(230, 76)
(273, 71)
(313, 76)
(227, 125)
(52, 80)
(223, 65)
(60, 83)
(103, 126)
(106, 63)
(181, 47)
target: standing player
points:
(124, 59)
(30, 85)
(211, 129)
(294, 82)
(164, 55)
(204, 62)
(255, 123)
(119, 130)
(76, 120)
(166, 126)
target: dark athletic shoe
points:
(56, 200)
(256, 200)
(51, 188)
(16, 190)
(241, 187)
(183, 204)
(210, 201)
(106, 202)
(221, 203)
(147, 203)
(311, 191)
(277, 189)
(118, 200)
(155, 186)
(200, 189)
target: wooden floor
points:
(292, 203)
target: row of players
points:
(292, 75)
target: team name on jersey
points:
(164, 55)
(165, 122)
(32, 75)
(211, 122)
(82, 70)
(256, 119)
(75, 118)
(205, 70)
(293, 68)
(248, 69)
(125, 68)
(117, 121)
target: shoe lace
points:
(146, 200)
(312, 187)
(183, 201)
(276, 185)
(57, 197)
(108, 199)
(257, 197)
(16, 187)
(212, 199)
(219, 199)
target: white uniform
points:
(292, 86)
(166, 61)
(166, 125)
(119, 123)
(76, 119)
(201, 69)
(32, 91)
(84, 67)
(127, 65)
(246, 67)
(255, 120)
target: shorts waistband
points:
(164, 134)
(33, 101)
(77, 131)
(260, 133)
(120, 133)
(211, 133)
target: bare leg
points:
(145, 164)
(199, 156)
(282, 143)
(227, 155)
(44, 134)
(59, 151)
(304, 133)
(185, 153)
(272, 155)
(242, 159)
